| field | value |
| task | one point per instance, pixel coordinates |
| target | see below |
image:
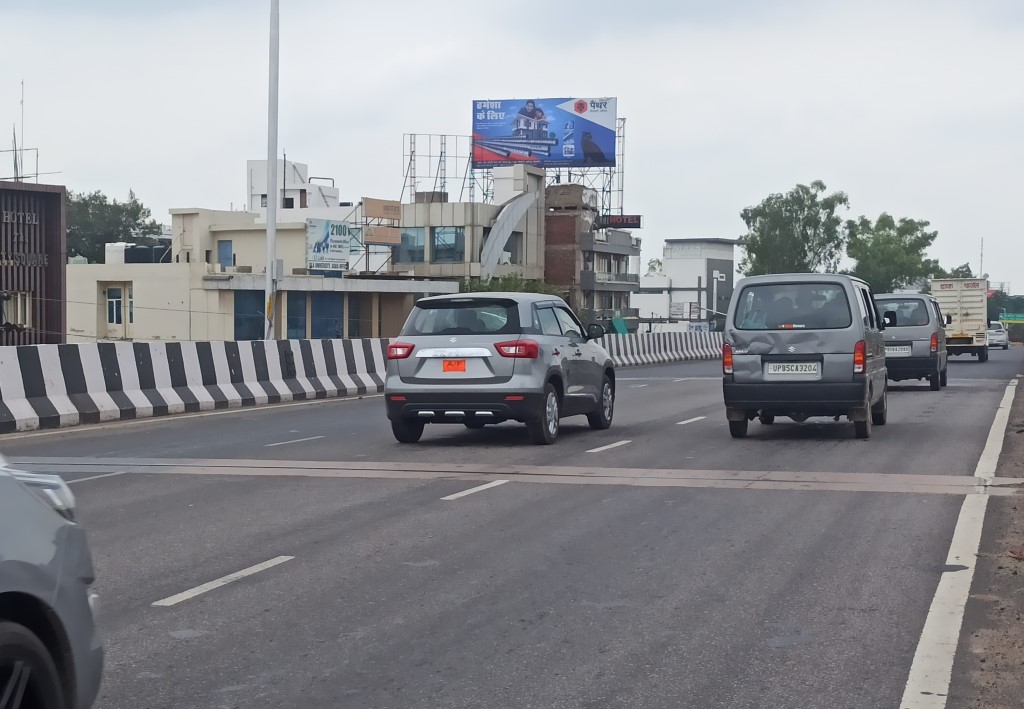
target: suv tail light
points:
(400, 350)
(935, 342)
(518, 349)
(860, 354)
(726, 358)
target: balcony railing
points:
(603, 277)
(608, 314)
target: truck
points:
(964, 303)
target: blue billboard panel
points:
(544, 132)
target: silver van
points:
(915, 342)
(802, 345)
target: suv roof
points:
(517, 297)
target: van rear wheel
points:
(738, 429)
(935, 379)
(863, 428)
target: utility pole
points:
(272, 195)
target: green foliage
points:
(890, 253)
(95, 220)
(796, 232)
(1002, 302)
(962, 271)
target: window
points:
(794, 306)
(569, 325)
(908, 311)
(17, 309)
(469, 316)
(225, 253)
(296, 315)
(548, 322)
(448, 244)
(411, 249)
(131, 305)
(327, 315)
(869, 306)
(303, 200)
(250, 320)
(289, 202)
(263, 200)
(114, 306)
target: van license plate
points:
(897, 350)
(798, 370)
(453, 365)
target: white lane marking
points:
(640, 386)
(471, 490)
(994, 445)
(932, 668)
(297, 440)
(609, 446)
(695, 419)
(181, 417)
(96, 477)
(222, 581)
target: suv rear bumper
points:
(463, 407)
(810, 398)
(911, 367)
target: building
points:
(298, 191)
(213, 288)
(33, 252)
(442, 239)
(694, 285)
(598, 267)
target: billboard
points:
(381, 209)
(619, 221)
(330, 245)
(544, 132)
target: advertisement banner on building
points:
(544, 132)
(381, 209)
(330, 245)
(382, 235)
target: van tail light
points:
(519, 349)
(727, 358)
(400, 350)
(860, 355)
(935, 342)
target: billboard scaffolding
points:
(442, 164)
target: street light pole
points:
(272, 195)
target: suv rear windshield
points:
(464, 317)
(909, 312)
(793, 306)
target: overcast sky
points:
(913, 107)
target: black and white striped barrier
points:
(662, 347)
(51, 386)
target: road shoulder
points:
(989, 668)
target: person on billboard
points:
(530, 110)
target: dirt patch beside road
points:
(989, 668)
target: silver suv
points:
(50, 653)
(485, 358)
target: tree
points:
(654, 267)
(796, 232)
(962, 271)
(95, 220)
(890, 253)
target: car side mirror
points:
(595, 332)
(949, 319)
(889, 319)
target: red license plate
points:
(453, 365)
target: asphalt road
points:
(682, 568)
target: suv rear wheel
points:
(28, 675)
(407, 431)
(738, 429)
(602, 418)
(543, 428)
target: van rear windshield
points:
(793, 306)
(464, 317)
(909, 312)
